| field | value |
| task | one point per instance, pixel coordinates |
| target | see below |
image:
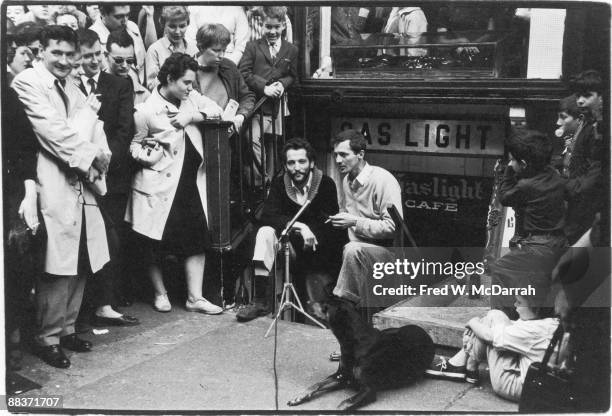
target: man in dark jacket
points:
(116, 111)
(316, 244)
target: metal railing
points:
(253, 173)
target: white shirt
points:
(85, 80)
(274, 48)
(302, 194)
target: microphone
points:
(295, 218)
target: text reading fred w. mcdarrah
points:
(452, 289)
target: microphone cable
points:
(275, 340)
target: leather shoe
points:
(54, 356)
(123, 320)
(252, 311)
(74, 343)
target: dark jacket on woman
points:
(235, 86)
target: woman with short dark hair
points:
(167, 206)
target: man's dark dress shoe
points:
(53, 355)
(74, 343)
(123, 320)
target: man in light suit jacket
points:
(116, 111)
(67, 164)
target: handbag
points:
(548, 389)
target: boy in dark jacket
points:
(316, 244)
(587, 186)
(537, 193)
(269, 67)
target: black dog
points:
(371, 359)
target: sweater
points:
(368, 197)
(281, 206)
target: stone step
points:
(443, 317)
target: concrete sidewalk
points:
(185, 361)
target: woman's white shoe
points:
(162, 303)
(203, 306)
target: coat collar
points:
(315, 182)
(47, 77)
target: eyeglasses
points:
(119, 60)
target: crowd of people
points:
(108, 154)
(104, 163)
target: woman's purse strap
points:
(551, 346)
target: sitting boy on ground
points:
(509, 347)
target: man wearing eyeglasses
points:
(121, 62)
(76, 243)
(114, 17)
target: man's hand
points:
(310, 241)
(93, 102)
(93, 175)
(238, 120)
(101, 161)
(180, 120)
(343, 220)
(28, 211)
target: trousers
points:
(505, 374)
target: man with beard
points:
(316, 244)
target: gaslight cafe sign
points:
(459, 137)
(444, 193)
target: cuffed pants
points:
(266, 247)
(58, 299)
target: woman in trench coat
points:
(167, 205)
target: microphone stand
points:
(288, 289)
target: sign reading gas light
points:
(460, 137)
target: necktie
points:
(273, 51)
(92, 85)
(60, 89)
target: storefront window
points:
(434, 41)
